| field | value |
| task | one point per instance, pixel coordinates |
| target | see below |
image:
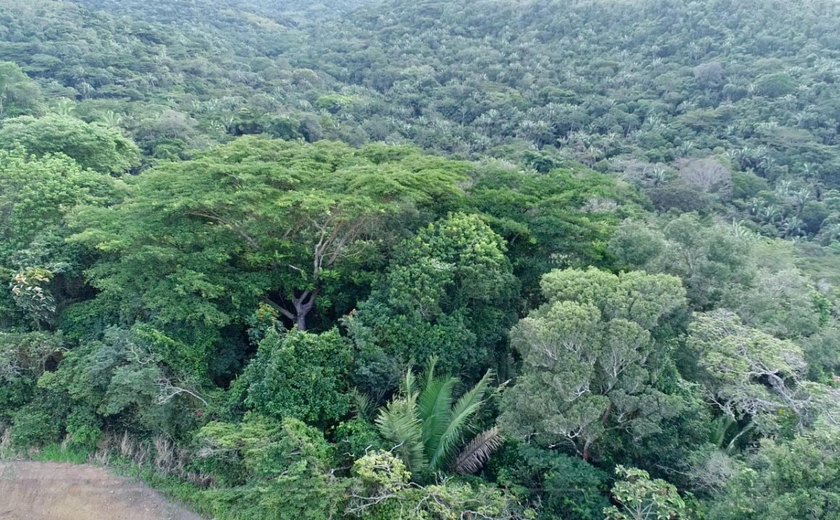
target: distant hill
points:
(643, 89)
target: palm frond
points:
(431, 364)
(476, 454)
(362, 403)
(465, 408)
(435, 409)
(408, 386)
(720, 428)
(399, 424)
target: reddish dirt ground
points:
(48, 491)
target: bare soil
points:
(49, 491)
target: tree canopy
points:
(388, 259)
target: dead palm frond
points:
(476, 454)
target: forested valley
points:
(427, 259)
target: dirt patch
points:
(48, 491)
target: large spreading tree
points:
(592, 361)
(199, 245)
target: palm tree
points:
(111, 119)
(428, 426)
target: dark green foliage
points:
(632, 99)
(23, 358)
(299, 375)
(712, 260)
(356, 437)
(39, 423)
(127, 380)
(444, 295)
(564, 486)
(558, 219)
(19, 95)
(32, 426)
(281, 468)
(822, 354)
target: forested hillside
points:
(393, 259)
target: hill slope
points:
(641, 89)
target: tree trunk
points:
(605, 419)
(300, 322)
(303, 305)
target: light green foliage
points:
(634, 296)
(333, 103)
(35, 196)
(299, 374)
(19, 95)
(28, 353)
(590, 362)
(235, 452)
(383, 492)
(822, 353)
(471, 249)
(94, 146)
(279, 245)
(748, 373)
(198, 245)
(783, 303)
(641, 498)
(381, 471)
(729, 266)
(448, 501)
(789, 298)
(259, 447)
(774, 85)
(797, 479)
(428, 426)
(30, 291)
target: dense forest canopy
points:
(392, 259)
